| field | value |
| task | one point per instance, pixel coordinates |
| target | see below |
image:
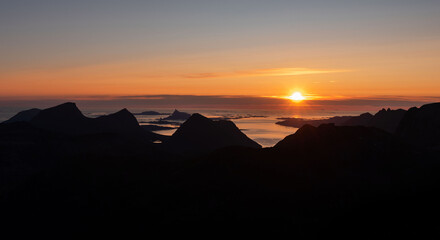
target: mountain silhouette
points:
(299, 122)
(333, 179)
(421, 126)
(199, 134)
(120, 122)
(387, 120)
(97, 176)
(361, 120)
(176, 115)
(329, 135)
(150, 113)
(66, 118)
(24, 116)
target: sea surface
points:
(258, 125)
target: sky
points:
(328, 50)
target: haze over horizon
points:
(247, 54)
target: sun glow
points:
(296, 96)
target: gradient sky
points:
(325, 49)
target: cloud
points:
(264, 72)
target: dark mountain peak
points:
(200, 134)
(124, 123)
(431, 106)
(367, 114)
(306, 131)
(72, 104)
(194, 125)
(67, 119)
(67, 105)
(149, 113)
(387, 120)
(122, 117)
(176, 112)
(388, 110)
(330, 135)
(177, 115)
(198, 117)
(24, 116)
(361, 120)
(310, 136)
(64, 118)
(414, 109)
(123, 113)
(384, 110)
(197, 122)
(68, 109)
(421, 126)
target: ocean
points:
(259, 125)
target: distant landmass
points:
(238, 117)
(176, 115)
(148, 113)
(299, 122)
(387, 120)
(24, 116)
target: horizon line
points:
(226, 102)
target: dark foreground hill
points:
(68, 119)
(202, 135)
(326, 181)
(387, 120)
(24, 116)
(421, 126)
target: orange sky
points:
(385, 71)
(325, 51)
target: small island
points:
(150, 113)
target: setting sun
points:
(296, 96)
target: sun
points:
(296, 96)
